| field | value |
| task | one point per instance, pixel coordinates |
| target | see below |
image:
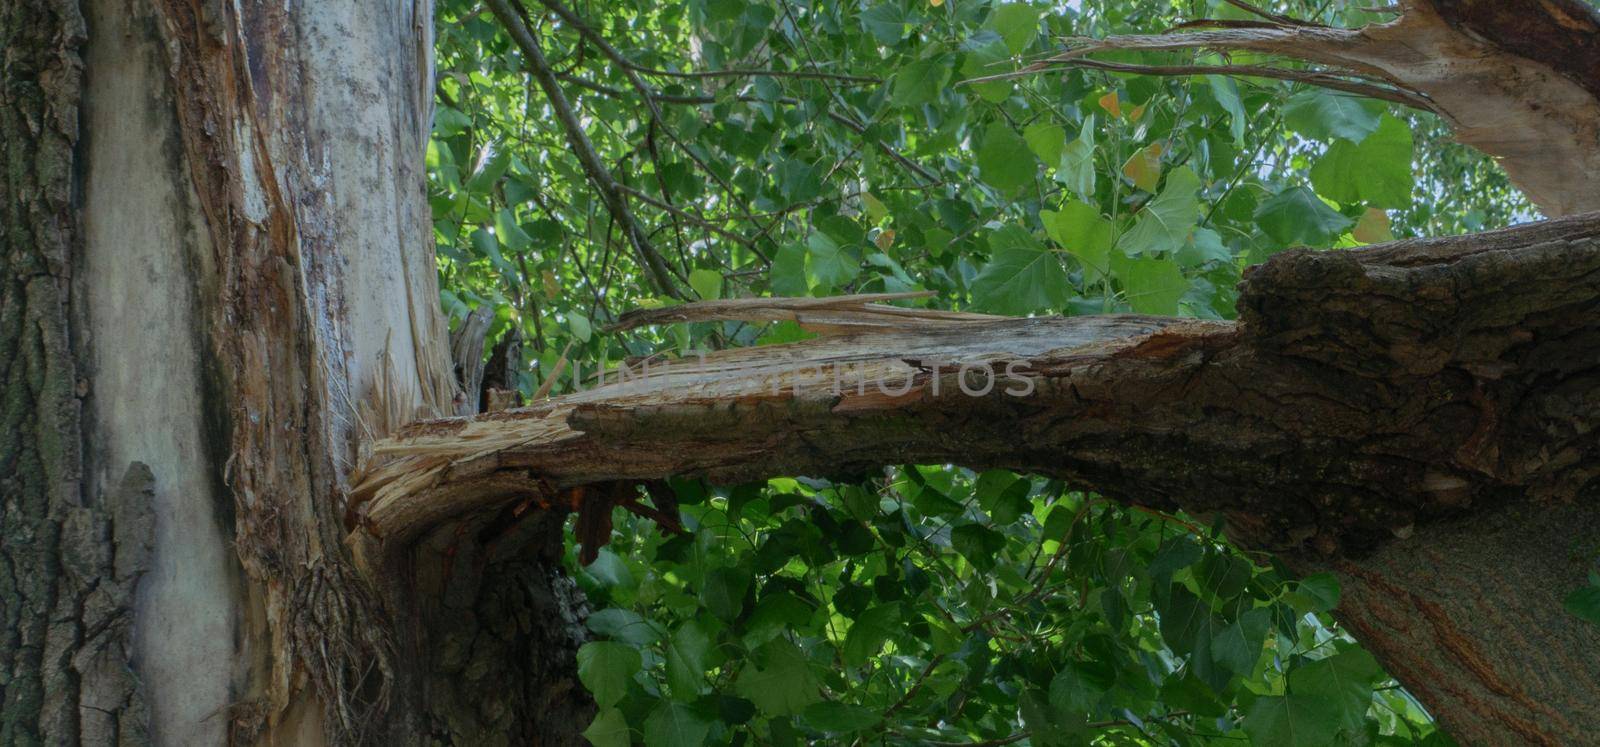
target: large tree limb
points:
(1364, 404)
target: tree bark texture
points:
(218, 284)
(70, 559)
(1378, 412)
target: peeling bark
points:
(1364, 397)
(69, 565)
(258, 299)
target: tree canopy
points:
(595, 157)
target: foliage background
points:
(818, 147)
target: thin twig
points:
(931, 179)
(751, 73)
(1320, 78)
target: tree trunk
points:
(219, 283)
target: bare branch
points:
(1320, 78)
(836, 314)
(930, 178)
(753, 73)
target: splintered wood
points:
(868, 359)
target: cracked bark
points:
(69, 563)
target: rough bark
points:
(223, 276)
(1365, 403)
(505, 624)
(69, 562)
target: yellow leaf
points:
(1373, 227)
(1110, 103)
(552, 287)
(1135, 113)
(936, 3)
(1144, 168)
(885, 239)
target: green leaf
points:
(1585, 603)
(686, 659)
(788, 273)
(1022, 276)
(1342, 684)
(725, 590)
(774, 614)
(623, 625)
(978, 544)
(1076, 171)
(840, 718)
(1018, 24)
(605, 667)
(1079, 687)
(1291, 721)
(885, 22)
(1004, 160)
(798, 180)
(921, 81)
(488, 245)
(1152, 286)
(490, 169)
(870, 631)
(608, 729)
(707, 283)
(580, 327)
(1046, 141)
(829, 265)
(1080, 229)
(448, 122)
(1227, 94)
(1164, 224)
(1205, 246)
(673, 724)
(1238, 647)
(778, 679)
(1297, 217)
(1322, 114)
(510, 234)
(608, 569)
(1377, 170)
(1010, 503)
(1318, 592)
(983, 62)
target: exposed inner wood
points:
(1360, 393)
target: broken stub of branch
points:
(1516, 79)
(1362, 393)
